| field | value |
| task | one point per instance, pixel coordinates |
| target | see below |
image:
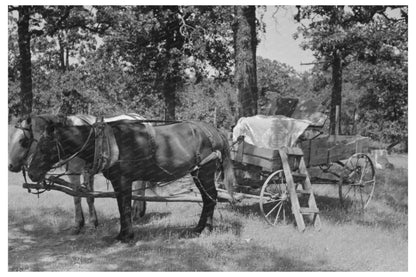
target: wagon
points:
(281, 179)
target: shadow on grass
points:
(192, 255)
(376, 214)
(40, 242)
(148, 217)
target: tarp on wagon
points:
(270, 132)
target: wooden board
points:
(266, 159)
(59, 184)
(319, 151)
(328, 149)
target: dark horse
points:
(157, 154)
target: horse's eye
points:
(25, 142)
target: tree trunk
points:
(170, 101)
(61, 53)
(67, 58)
(245, 43)
(25, 63)
(336, 97)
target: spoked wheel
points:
(357, 182)
(274, 199)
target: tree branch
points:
(13, 8)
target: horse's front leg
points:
(204, 179)
(89, 181)
(123, 188)
(79, 215)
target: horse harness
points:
(106, 151)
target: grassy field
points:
(40, 237)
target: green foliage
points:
(206, 100)
(381, 72)
(131, 58)
(164, 44)
(372, 41)
(283, 79)
(146, 52)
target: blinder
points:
(27, 141)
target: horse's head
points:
(45, 155)
(20, 144)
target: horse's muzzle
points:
(13, 168)
(35, 177)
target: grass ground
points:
(40, 237)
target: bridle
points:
(30, 138)
(58, 146)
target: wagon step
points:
(303, 191)
(309, 210)
(298, 175)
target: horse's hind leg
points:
(79, 215)
(89, 180)
(123, 188)
(139, 206)
(204, 179)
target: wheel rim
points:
(274, 199)
(357, 182)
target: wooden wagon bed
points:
(319, 151)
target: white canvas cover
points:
(270, 132)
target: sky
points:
(277, 43)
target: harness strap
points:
(106, 151)
(151, 137)
(61, 163)
(214, 155)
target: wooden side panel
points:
(249, 154)
(315, 152)
(324, 150)
(319, 151)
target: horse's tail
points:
(227, 166)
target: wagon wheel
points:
(357, 182)
(274, 199)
